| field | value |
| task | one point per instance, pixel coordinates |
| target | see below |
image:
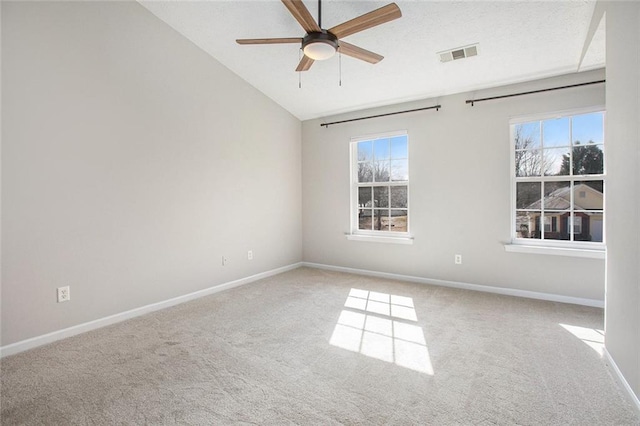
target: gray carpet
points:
(286, 350)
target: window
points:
(558, 180)
(577, 224)
(380, 185)
(550, 224)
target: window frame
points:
(376, 235)
(539, 245)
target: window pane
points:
(399, 195)
(364, 219)
(381, 149)
(528, 163)
(588, 195)
(364, 197)
(556, 161)
(527, 135)
(528, 224)
(398, 220)
(365, 151)
(588, 159)
(557, 196)
(399, 147)
(555, 225)
(365, 172)
(400, 170)
(556, 132)
(528, 195)
(381, 220)
(381, 196)
(588, 128)
(381, 171)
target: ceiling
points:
(517, 41)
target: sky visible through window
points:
(546, 147)
(585, 128)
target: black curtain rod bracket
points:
(326, 125)
(472, 101)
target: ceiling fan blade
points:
(359, 53)
(302, 15)
(269, 40)
(305, 63)
(368, 20)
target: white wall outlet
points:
(64, 294)
(250, 255)
(458, 259)
(224, 261)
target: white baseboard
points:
(44, 339)
(466, 286)
(623, 382)
(33, 342)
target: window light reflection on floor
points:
(381, 330)
(592, 337)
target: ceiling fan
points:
(319, 44)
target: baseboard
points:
(466, 286)
(623, 382)
(44, 339)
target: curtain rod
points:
(472, 101)
(436, 107)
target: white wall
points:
(459, 193)
(132, 161)
(623, 189)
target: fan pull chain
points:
(299, 72)
(339, 68)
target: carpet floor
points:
(317, 347)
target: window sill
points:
(379, 239)
(556, 251)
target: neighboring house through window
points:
(380, 185)
(559, 179)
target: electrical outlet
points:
(64, 294)
(250, 255)
(458, 259)
(224, 261)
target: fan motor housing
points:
(322, 37)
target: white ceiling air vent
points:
(458, 53)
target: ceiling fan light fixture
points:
(319, 50)
(320, 46)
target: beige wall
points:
(623, 189)
(132, 162)
(459, 193)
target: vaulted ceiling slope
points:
(517, 41)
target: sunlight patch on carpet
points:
(380, 331)
(592, 337)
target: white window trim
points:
(379, 238)
(552, 247)
(371, 235)
(556, 251)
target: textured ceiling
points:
(518, 41)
